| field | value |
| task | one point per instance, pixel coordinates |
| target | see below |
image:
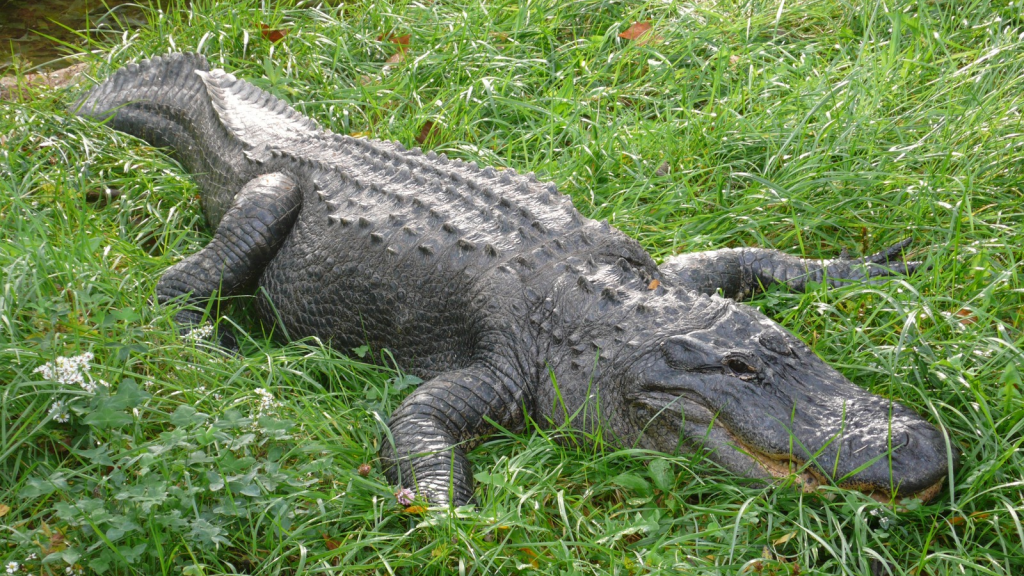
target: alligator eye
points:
(737, 365)
(740, 366)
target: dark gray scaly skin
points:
(485, 283)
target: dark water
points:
(24, 25)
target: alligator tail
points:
(165, 102)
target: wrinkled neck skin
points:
(672, 371)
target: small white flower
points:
(267, 402)
(12, 567)
(200, 333)
(59, 411)
(71, 370)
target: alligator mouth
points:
(769, 467)
(808, 479)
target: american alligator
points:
(491, 287)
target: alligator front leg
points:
(246, 239)
(436, 425)
(741, 272)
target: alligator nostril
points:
(900, 440)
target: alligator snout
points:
(845, 435)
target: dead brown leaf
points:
(635, 31)
(4, 509)
(641, 33)
(271, 34)
(967, 317)
(427, 132)
(104, 196)
(403, 44)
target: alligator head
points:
(763, 405)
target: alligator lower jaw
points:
(809, 479)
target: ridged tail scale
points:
(165, 102)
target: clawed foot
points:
(874, 268)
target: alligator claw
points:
(893, 253)
(882, 264)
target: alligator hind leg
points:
(740, 272)
(246, 239)
(436, 425)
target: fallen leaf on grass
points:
(426, 133)
(966, 317)
(4, 509)
(641, 33)
(403, 44)
(105, 196)
(784, 538)
(635, 31)
(271, 34)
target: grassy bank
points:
(809, 126)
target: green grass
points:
(809, 126)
